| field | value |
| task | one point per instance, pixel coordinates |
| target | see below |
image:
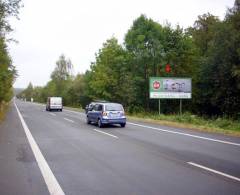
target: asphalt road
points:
(58, 153)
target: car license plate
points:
(114, 115)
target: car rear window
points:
(56, 100)
(113, 107)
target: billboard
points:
(170, 88)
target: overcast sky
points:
(78, 28)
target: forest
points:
(208, 53)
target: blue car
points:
(106, 113)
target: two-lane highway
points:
(73, 157)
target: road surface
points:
(58, 153)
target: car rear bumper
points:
(114, 121)
(55, 107)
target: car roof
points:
(110, 103)
(99, 102)
(105, 103)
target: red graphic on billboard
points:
(156, 85)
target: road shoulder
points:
(19, 173)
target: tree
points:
(29, 92)
(75, 93)
(203, 32)
(144, 42)
(218, 43)
(63, 69)
(62, 74)
(38, 95)
(8, 8)
(109, 77)
(7, 73)
(7, 70)
(152, 46)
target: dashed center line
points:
(105, 133)
(69, 120)
(214, 171)
(52, 114)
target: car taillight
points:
(104, 113)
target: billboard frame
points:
(159, 84)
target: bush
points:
(135, 109)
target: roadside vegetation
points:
(208, 52)
(8, 8)
(187, 120)
(3, 108)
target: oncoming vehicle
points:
(106, 113)
(54, 103)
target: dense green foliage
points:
(7, 70)
(219, 63)
(208, 52)
(152, 46)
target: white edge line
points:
(106, 133)
(214, 171)
(187, 134)
(52, 184)
(68, 120)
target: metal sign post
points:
(159, 106)
(180, 106)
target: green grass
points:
(187, 120)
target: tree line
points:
(208, 52)
(8, 8)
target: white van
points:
(54, 103)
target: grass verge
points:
(3, 110)
(187, 120)
(220, 125)
(78, 109)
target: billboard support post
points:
(159, 107)
(180, 106)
